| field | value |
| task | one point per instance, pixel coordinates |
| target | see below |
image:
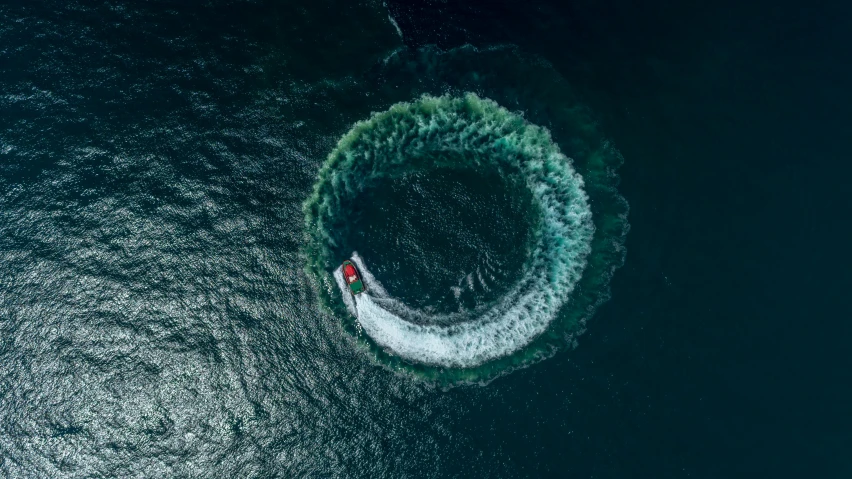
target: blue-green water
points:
(566, 263)
(179, 183)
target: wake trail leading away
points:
(468, 343)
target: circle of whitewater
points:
(457, 132)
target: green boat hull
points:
(357, 287)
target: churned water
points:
(179, 184)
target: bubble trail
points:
(417, 136)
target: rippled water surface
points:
(178, 184)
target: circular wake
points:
(491, 304)
(459, 132)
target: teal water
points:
(571, 254)
(179, 183)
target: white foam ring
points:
(486, 135)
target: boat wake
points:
(411, 137)
(471, 341)
(575, 218)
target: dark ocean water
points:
(157, 315)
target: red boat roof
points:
(349, 270)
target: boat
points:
(353, 279)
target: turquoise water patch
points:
(565, 245)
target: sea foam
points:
(411, 137)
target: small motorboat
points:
(353, 279)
